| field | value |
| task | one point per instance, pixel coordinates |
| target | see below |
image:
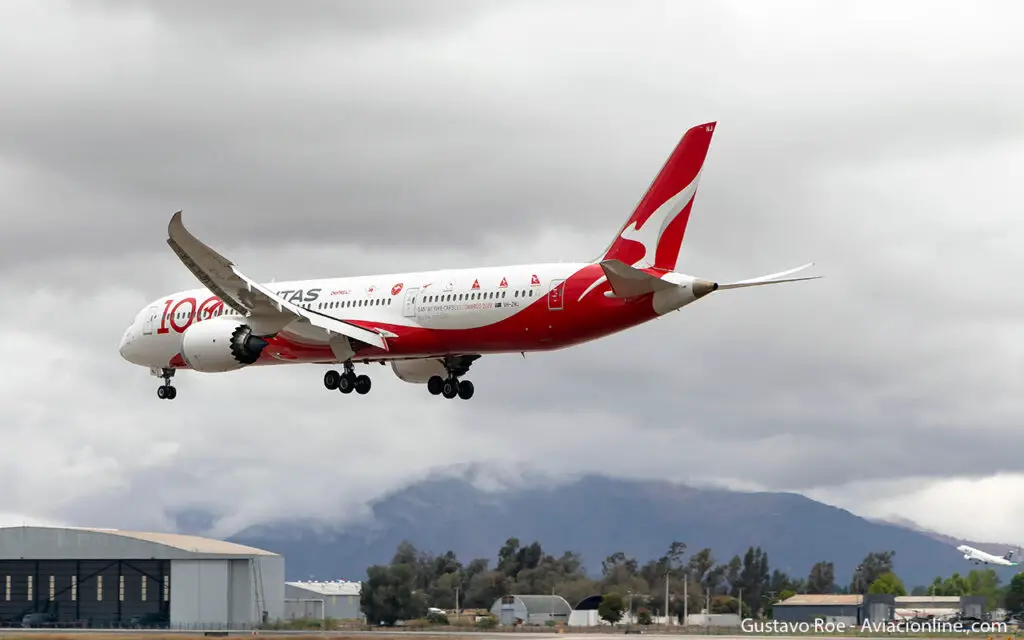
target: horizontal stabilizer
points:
(774, 278)
(628, 282)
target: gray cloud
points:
(880, 141)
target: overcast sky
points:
(883, 140)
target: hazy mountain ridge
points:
(597, 516)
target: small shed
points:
(533, 610)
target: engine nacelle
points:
(418, 371)
(220, 344)
(967, 556)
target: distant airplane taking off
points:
(430, 326)
(980, 557)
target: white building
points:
(106, 577)
(319, 600)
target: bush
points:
(488, 622)
(437, 618)
(643, 616)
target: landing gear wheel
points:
(450, 388)
(346, 383)
(331, 379)
(434, 385)
(362, 384)
(465, 389)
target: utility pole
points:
(686, 598)
(739, 604)
(456, 603)
(667, 573)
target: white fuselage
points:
(979, 556)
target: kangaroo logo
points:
(648, 233)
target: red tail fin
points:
(654, 233)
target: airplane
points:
(430, 326)
(980, 557)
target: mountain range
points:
(597, 515)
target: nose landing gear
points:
(166, 391)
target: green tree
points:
(985, 583)
(1014, 601)
(387, 595)
(611, 608)
(888, 583)
(729, 604)
(874, 565)
(822, 578)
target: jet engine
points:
(418, 371)
(967, 556)
(220, 344)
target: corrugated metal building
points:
(585, 614)
(850, 609)
(111, 578)
(940, 606)
(530, 609)
(319, 600)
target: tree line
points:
(416, 580)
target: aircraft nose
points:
(122, 347)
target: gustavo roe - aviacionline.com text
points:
(748, 625)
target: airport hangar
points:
(107, 577)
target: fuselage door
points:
(150, 321)
(556, 294)
(409, 309)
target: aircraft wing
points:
(269, 312)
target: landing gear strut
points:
(166, 391)
(348, 381)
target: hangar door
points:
(96, 593)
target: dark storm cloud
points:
(396, 143)
(366, 138)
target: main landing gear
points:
(450, 387)
(348, 381)
(166, 391)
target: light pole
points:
(686, 598)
